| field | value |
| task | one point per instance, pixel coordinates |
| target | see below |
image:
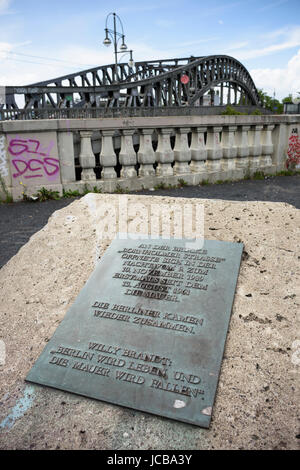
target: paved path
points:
(18, 221)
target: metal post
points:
(116, 49)
(115, 37)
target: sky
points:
(43, 39)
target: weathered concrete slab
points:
(257, 398)
(146, 332)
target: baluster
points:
(267, 146)
(214, 149)
(87, 158)
(182, 152)
(229, 148)
(146, 154)
(108, 159)
(242, 160)
(198, 151)
(127, 155)
(255, 147)
(164, 153)
(66, 156)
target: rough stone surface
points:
(258, 392)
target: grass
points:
(120, 190)
(182, 183)
(288, 173)
(70, 194)
(222, 181)
(258, 175)
(8, 197)
(45, 194)
(161, 185)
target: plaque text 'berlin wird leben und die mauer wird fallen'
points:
(148, 329)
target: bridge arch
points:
(156, 83)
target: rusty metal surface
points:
(148, 329)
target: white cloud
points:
(4, 7)
(284, 81)
(290, 39)
(272, 5)
(237, 45)
(5, 48)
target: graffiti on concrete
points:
(293, 151)
(31, 159)
(3, 163)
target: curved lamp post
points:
(115, 38)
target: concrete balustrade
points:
(242, 160)
(182, 152)
(229, 148)
(164, 153)
(198, 150)
(146, 154)
(127, 155)
(255, 147)
(87, 157)
(214, 149)
(108, 159)
(46, 153)
(267, 147)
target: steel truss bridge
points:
(157, 83)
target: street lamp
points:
(115, 38)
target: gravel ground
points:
(19, 221)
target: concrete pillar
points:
(108, 159)
(214, 149)
(146, 154)
(164, 153)
(229, 148)
(66, 157)
(182, 152)
(242, 160)
(267, 147)
(255, 147)
(127, 155)
(198, 150)
(87, 158)
(5, 172)
(280, 142)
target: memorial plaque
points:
(148, 329)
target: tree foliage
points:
(270, 102)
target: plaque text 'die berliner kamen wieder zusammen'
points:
(148, 329)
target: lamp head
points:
(123, 46)
(107, 41)
(131, 61)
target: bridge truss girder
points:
(148, 84)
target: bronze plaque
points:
(148, 329)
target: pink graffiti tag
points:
(293, 152)
(28, 146)
(34, 161)
(42, 164)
